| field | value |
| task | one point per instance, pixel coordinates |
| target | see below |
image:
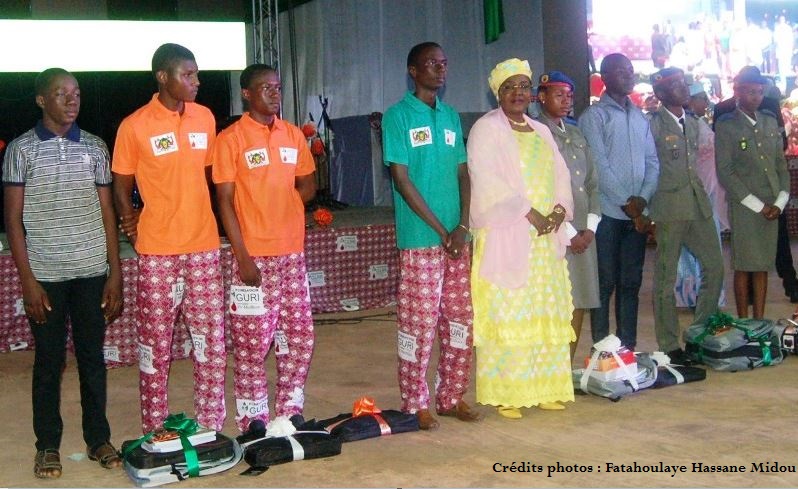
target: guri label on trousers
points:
(246, 301)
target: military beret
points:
(555, 78)
(697, 88)
(666, 74)
(750, 74)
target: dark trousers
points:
(784, 266)
(621, 252)
(78, 299)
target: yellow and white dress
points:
(522, 335)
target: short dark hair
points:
(415, 52)
(167, 55)
(46, 77)
(250, 71)
(609, 60)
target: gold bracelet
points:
(465, 228)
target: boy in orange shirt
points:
(164, 146)
(264, 173)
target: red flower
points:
(309, 129)
(323, 217)
(317, 147)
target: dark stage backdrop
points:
(106, 99)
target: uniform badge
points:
(198, 140)
(256, 158)
(420, 136)
(675, 154)
(743, 144)
(449, 137)
(163, 144)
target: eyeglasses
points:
(436, 63)
(524, 87)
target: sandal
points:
(47, 464)
(106, 455)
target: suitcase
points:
(147, 469)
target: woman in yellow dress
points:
(520, 196)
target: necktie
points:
(681, 122)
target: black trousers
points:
(78, 299)
(784, 265)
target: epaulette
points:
(768, 113)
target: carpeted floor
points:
(730, 420)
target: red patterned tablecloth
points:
(348, 269)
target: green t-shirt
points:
(430, 143)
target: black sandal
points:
(106, 455)
(47, 464)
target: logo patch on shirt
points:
(288, 155)
(163, 144)
(449, 137)
(420, 136)
(257, 157)
(198, 140)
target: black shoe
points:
(679, 357)
(793, 295)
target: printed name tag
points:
(458, 334)
(316, 278)
(246, 301)
(199, 344)
(420, 136)
(351, 304)
(111, 353)
(198, 140)
(256, 158)
(378, 272)
(346, 243)
(407, 347)
(163, 144)
(288, 155)
(449, 137)
(145, 359)
(280, 344)
(250, 408)
(178, 289)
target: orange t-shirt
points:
(168, 154)
(263, 164)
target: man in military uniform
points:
(752, 168)
(682, 211)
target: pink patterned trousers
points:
(190, 285)
(434, 299)
(285, 318)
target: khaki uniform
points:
(750, 161)
(683, 213)
(583, 268)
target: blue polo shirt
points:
(429, 141)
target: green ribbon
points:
(721, 320)
(184, 427)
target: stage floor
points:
(729, 419)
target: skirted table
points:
(352, 265)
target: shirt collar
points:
(550, 122)
(73, 133)
(163, 111)
(611, 101)
(674, 116)
(420, 106)
(252, 123)
(752, 121)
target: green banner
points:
(494, 19)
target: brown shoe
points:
(462, 411)
(426, 421)
(106, 455)
(47, 464)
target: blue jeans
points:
(621, 252)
